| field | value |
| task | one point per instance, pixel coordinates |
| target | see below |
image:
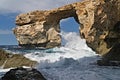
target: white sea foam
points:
(75, 48)
(73, 61)
(3, 71)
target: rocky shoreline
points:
(99, 25)
(8, 60)
(17, 61)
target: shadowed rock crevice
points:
(99, 24)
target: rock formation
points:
(23, 74)
(8, 60)
(99, 24)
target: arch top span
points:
(97, 19)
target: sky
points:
(9, 9)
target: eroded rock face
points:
(8, 60)
(99, 24)
(41, 28)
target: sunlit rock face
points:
(99, 24)
(8, 60)
(41, 28)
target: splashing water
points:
(73, 61)
(74, 47)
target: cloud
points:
(64, 20)
(3, 32)
(16, 6)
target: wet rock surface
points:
(108, 63)
(23, 74)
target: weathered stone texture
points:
(41, 28)
(8, 60)
(99, 24)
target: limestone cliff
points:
(41, 28)
(99, 24)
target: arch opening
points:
(67, 26)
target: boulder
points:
(99, 24)
(8, 60)
(23, 74)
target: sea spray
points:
(52, 61)
(74, 47)
(73, 61)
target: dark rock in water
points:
(108, 63)
(8, 60)
(103, 63)
(23, 74)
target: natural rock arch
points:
(42, 28)
(97, 19)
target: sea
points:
(74, 60)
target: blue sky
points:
(9, 9)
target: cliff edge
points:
(99, 24)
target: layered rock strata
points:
(8, 60)
(99, 24)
